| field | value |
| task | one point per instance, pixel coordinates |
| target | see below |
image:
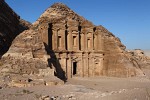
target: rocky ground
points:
(94, 88)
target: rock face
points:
(70, 46)
(19, 66)
(10, 26)
(26, 58)
(25, 52)
(139, 56)
(86, 49)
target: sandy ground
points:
(93, 88)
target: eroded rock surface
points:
(10, 26)
(142, 60)
(69, 46)
(104, 53)
(25, 53)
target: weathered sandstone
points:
(81, 48)
(10, 26)
(69, 46)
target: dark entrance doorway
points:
(74, 68)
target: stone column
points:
(89, 66)
(55, 40)
(80, 68)
(70, 44)
(44, 33)
(69, 68)
(63, 63)
(100, 42)
(82, 42)
(86, 66)
(71, 41)
(63, 44)
(93, 63)
(92, 40)
(95, 43)
(85, 41)
(101, 66)
(82, 65)
(68, 41)
(78, 41)
(45, 36)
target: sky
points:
(127, 19)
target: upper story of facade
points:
(71, 36)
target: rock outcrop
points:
(18, 64)
(10, 26)
(116, 63)
(139, 56)
(92, 51)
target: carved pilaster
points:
(95, 42)
(55, 36)
(44, 32)
(82, 42)
(70, 41)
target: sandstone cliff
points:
(139, 56)
(10, 26)
(116, 61)
(28, 53)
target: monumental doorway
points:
(74, 69)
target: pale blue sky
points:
(127, 19)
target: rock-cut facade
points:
(71, 46)
(76, 47)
